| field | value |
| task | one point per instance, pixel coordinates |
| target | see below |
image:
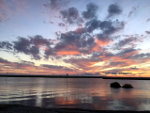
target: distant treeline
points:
(76, 76)
(51, 76)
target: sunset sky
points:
(79, 37)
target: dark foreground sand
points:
(27, 109)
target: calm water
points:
(85, 93)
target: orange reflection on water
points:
(65, 101)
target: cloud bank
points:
(91, 46)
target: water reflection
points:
(75, 93)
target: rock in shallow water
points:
(127, 86)
(115, 85)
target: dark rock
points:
(127, 86)
(115, 85)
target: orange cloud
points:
(68, 52)
(100, 43)
(21, 68)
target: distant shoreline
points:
(127, 78)
(51, 76)
(77, 76)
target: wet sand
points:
(28, 109)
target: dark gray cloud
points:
(148, 32)
(126, 42)
(92, 25)
(127, 50)
(3, 60)
(71, 16)
(68, 38)
(134, 68)
(118, 72)
(55, 67)
(141, 56)
(90, 12)
(6, 45)
(25, 46)
(52, 66)
(118, 63)
(127, 53)
(31, 45)
(48, 52)
(114, 9)
(103, 37)
(39, 40)
(22, 45)
(35, 52)
(108, 28)
(27, 62)
(89, 74)
(106, 25)
(75, 40)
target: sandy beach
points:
(28, 109)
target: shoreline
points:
(51, 76)
(14, 108)
(76, 76)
